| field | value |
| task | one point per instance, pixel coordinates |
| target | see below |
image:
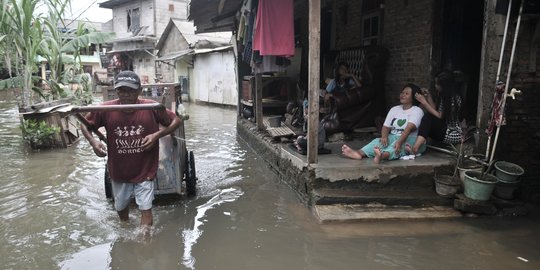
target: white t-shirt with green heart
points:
(397, 119)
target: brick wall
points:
(519, 141)
(407, 34)
(347, 19)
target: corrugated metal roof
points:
(217, 49)
(175, 55)
(113, 3)
(187, 29)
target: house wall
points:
(408, 38)
(347, 20)
(221, 86)
(120, 18)
(519, 140)
(192, 88)
(174, 42)
(143, 64)
(163, 14)
(149, 9)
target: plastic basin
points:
(508, 172)
(479, 189)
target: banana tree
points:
(32, 35)
(22, 31)
(63, 44)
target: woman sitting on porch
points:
(441, 122)
(343, 80)
(399, 128)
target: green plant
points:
(38, 133)
(26, 34)
(22, 30)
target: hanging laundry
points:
(241, 27)
(496, 109)
(274, 28)
(266, 64)
(248, 41)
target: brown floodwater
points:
(54, 215)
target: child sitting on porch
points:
(399, 128)
(343, 79)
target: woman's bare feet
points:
(409, 149)
(349, 152)
(378, 155)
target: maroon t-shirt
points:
(127, 162)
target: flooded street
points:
(54, 215)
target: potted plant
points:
(39, 134)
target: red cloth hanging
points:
(497, 109)
(274, 28)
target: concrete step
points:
(375, 211)
(409, 197)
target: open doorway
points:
(461, 46)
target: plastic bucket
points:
(506, 191)
(446, 185)
(508, 172)
(479, 189)
(470, 165)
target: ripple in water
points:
(190, 236)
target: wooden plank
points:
(258, 102)
(282, 131)
(313, 81)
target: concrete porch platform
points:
(357, 212)
(339, 189)
(334, 167)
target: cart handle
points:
(123, 107)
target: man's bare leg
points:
(146, 218)
(124, 214)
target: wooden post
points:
(258, 102)
(43, 71)
(313, 78)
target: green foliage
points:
(25, 35)
(38, 133)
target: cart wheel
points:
(108, 186)
(191, 177)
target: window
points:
(133, 20)
(370, 29)
(371, 22)
(87, 69)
